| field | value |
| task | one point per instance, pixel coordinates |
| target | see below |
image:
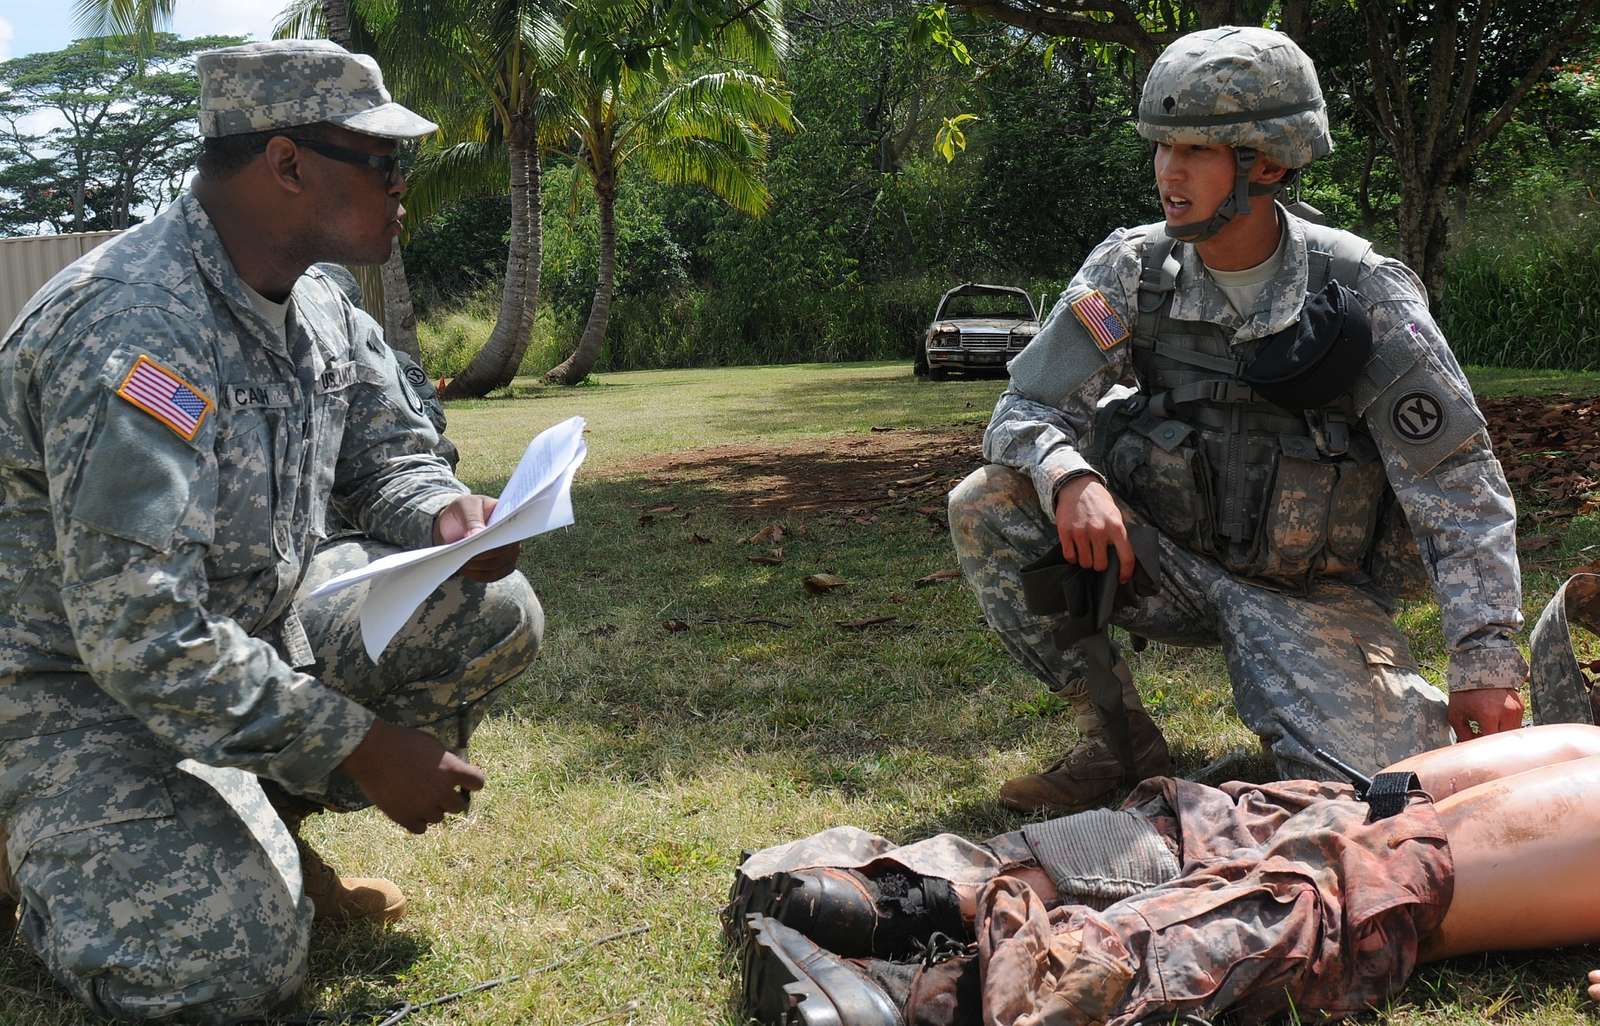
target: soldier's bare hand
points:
(410, 776)
(1492, 709)
(464, 517)
(1090, 524)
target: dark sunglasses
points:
(388, 165)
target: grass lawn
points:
(689, 703)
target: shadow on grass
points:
(362, 969)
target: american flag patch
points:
(165, 396)
(1096, 314)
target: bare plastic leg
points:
(1525, 847)
(1445, 771)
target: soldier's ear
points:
(1267, 171)
(283, 163)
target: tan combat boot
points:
(339, 900)
(1089, 774)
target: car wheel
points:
(919, 363)
(938, 373)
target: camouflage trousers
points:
(1331, 662)
(153, 886)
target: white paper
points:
(538, 498)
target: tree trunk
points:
(496, 363)
(577, 366)
(399, 316)
(337, 15)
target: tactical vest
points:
(1271, 494)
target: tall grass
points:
(1527, 298)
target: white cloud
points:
(7, 33)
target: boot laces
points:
(939, 947)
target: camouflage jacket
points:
(1451, 487)
(168, 464)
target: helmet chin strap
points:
(1238, 201)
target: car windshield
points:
(1007, 305)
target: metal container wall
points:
(28, 262)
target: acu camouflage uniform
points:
(1269, 519)
(158, 652)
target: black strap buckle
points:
(1388, 793)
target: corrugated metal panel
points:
(28, 262)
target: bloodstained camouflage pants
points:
(1332, 662)
(1289, 898)
(154, 886)
(1287, 894)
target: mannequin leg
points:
(1525, 848)
(1454, 768)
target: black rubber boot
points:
(887, 915)
(790, 981)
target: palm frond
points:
(731, 175)
(136, 18)
(464, 170)
(302, 19)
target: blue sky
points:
(28, 26)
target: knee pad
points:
(1099, 857)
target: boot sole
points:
(763, 896)
(777, 992)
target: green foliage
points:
(459, 251)
(124, 132)
(649, 260)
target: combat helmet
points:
(1249, 88)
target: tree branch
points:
(1574, 29)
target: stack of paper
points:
(538, 498)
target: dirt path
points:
(1550, 446)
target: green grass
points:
(632, 763)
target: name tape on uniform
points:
(1100, 320)
(166, 397)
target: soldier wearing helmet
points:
(1296, 410)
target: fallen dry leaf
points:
(899, 598)
(668, 508)
(699, 539)
(646, 519)
(772, 557)
(819, 583)
(1536, 542)
(772, 534)
(911, 482)
(674, 626)
(603, 630)
(863, 624)
(881, 430)
(938, 577)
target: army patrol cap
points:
(260, 87)
(1239, 87)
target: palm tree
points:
(477, 68)
(141, 18)
(706, 129)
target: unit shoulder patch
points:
(1100, 320)
(1418, 416)
(166, 397)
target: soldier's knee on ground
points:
(227, 988)
(188, 966)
